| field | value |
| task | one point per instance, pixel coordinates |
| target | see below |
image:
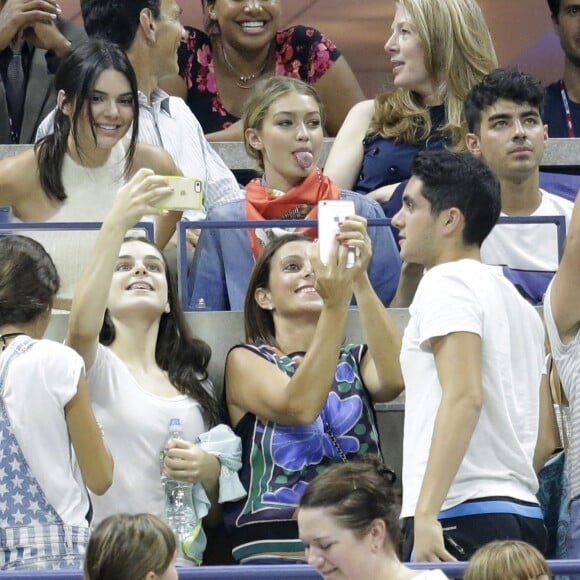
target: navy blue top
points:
(387, 161)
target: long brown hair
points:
(177, 351)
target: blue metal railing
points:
(281, 572)
(559, 221)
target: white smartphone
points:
(187, 194)
(330, 213)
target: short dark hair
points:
(259, 323)
(554, 6)
(116, 20)
(460, 180)
(28, 280)
(509, 84)
(76, 77)
(355, 494)
(183, 356)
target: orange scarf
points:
(299, 202)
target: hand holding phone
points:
(330, 213)
(187, 194)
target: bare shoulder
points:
(19, 174)
(247, 365)
(154, 158)
(25, 161)
(239, 356)
(362, 112)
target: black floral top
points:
(301, 52)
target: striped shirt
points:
(567, 359)
(169, 123)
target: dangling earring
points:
(167, 309)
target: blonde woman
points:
(437, 51)
(283, 133)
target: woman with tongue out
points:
(283, 132)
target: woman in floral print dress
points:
(242, 43)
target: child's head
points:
(131, 547)
(507, 560)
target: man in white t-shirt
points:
(562, 316)
(472, 359)
(506, 131)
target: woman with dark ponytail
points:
(73, 175)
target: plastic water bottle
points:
(180, 512)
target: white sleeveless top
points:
(90, 191)
(90, 194)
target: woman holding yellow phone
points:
(73, 175)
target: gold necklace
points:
(244, 81)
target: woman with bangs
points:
(437, 51)
(73, 175)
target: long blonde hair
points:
(458, 49)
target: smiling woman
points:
(297, 396)
(74, 174)
(243, 44)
